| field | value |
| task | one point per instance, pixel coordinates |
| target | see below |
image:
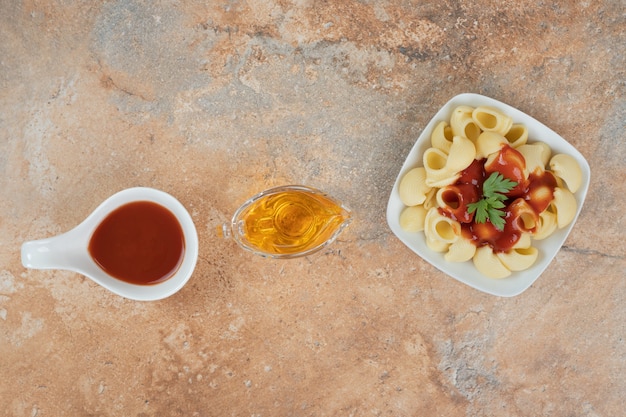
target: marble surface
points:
(213, 102)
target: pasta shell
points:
(434, 159)
(463, 124)
(431, 201)
(517, 135)
(441, 137)
(534, 156)
(492, 120)
(523, 217)
(540, 194)
(524, 241)
(486, 232)
(488, 264)
(489, 143)
(519, 259)
(444, 169)
(565, 167)
(437, 245)
(441, 228)
(437, 174)
(545, 226)
(442, 178)
(462, 154)
(412, 188)
(412, 218)
(454, 199)
(564, 205)
(460, 251)
(546, 154)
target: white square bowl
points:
(465, 272)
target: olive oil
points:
(288, 221)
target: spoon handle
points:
(66, 251)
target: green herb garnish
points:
(489, 207)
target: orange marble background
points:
(215, 101)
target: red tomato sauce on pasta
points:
(533, 193)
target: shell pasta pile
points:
(484, 193)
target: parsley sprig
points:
(489, 207)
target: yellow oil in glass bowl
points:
(288, 221)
